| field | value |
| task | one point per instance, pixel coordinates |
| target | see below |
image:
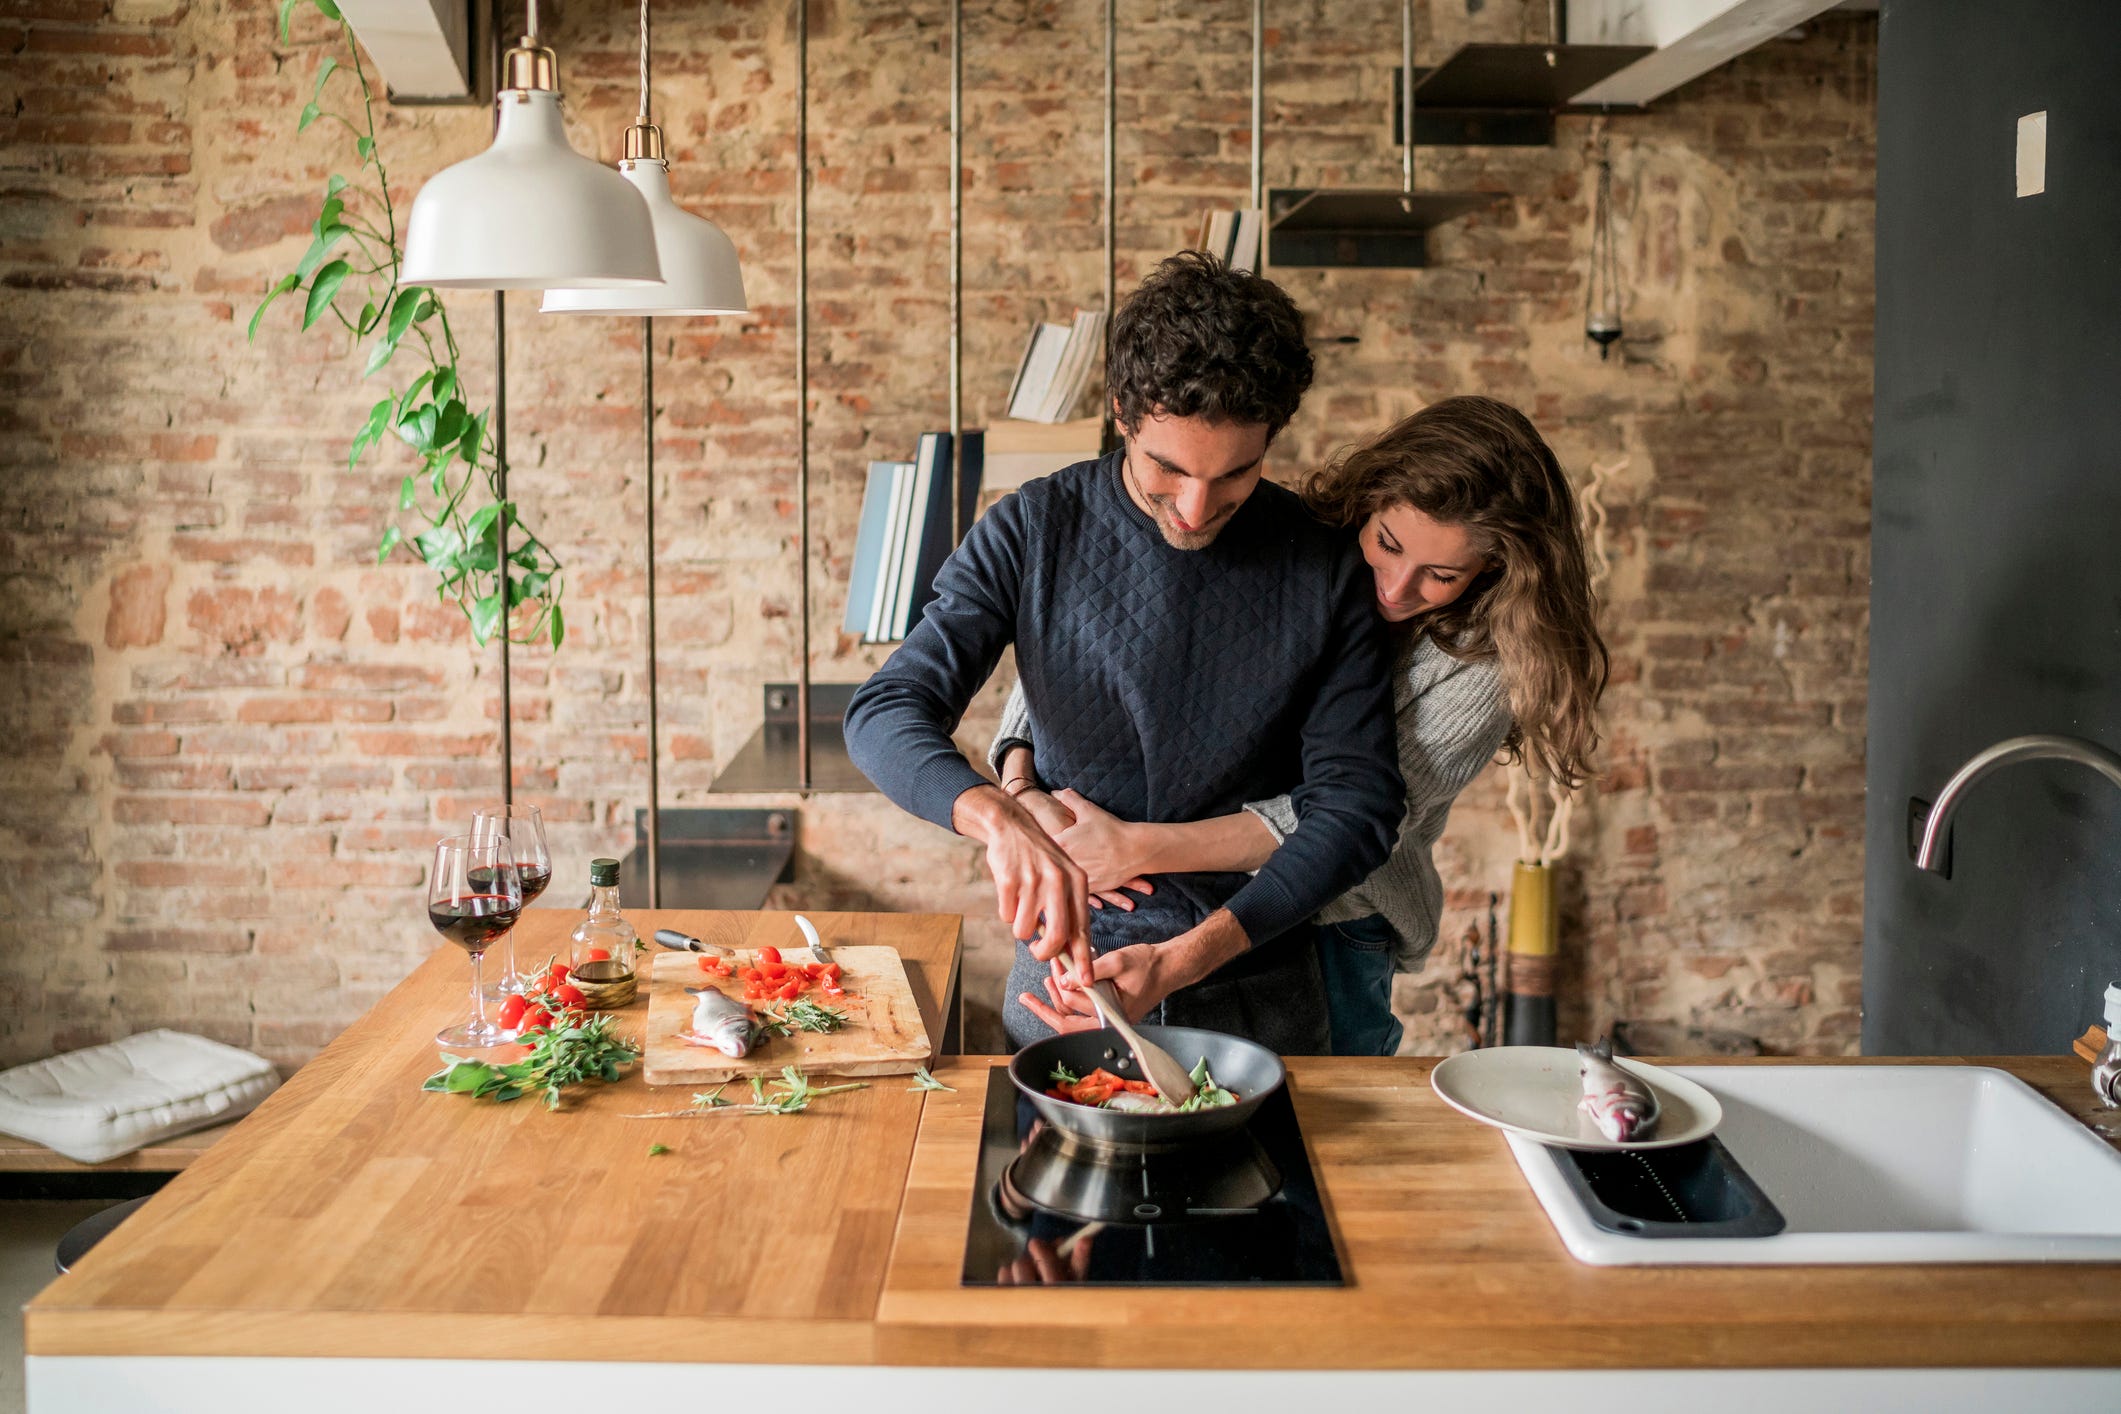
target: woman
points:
(1471, 531)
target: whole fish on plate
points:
(720, 1021)
(1623, 1108)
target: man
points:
(1188, 639)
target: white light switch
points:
(2032, 153)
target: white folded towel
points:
(98, 1103)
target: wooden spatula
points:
(1172, 1080)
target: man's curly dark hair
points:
(1199, 339)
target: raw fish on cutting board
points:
(884, 1034)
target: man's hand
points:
(1034, 879)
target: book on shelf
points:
(904, 535)
(1232, 237)
(1017, 452)
(935, 541)
(1055, 368)
(868, 568)
(882, 596)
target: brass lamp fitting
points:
(643, 143)
(530, 66)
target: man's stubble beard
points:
(1157, 510)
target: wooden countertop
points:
(1454, 1265)
(354, 1215)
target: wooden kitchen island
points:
(357, 1241)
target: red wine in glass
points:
(474, 896)
(519, 830)
(475, 922)
(534, 878)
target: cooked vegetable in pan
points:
(1101, 1089)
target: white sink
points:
(1895, 1163)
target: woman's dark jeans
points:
(1356, 958)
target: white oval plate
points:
(1533, 1091)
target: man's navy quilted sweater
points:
(1166, 685)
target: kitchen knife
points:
(684, 942)
(810, 938)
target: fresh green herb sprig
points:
(1064, 1076)
(802, 1015)
(794, 1092)
(567, 1054)
(922, 1080)
(791, 1094)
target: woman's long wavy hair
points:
(1478, 463)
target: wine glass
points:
(473, 897)
(520, 832)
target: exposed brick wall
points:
(227, 737)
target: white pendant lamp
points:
(700, 272)
(529, 213)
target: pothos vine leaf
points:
(354, 258)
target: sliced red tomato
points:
(835, 991)
(769, 954)
(830, 973)
(789, 991)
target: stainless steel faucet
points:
(2106, 1071)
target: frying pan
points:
(1246, 1068)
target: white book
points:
(1222, 229)
(894, 548)
(868, 549)
(1034, 377)
(1084, 339)
(924, 474)
(1244, 250)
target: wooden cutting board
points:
(884, 1034)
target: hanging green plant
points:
(354, 254)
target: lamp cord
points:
(644, 63)
(532, 32)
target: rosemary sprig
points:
(802, 1015)
(922, 1080)
(711, 1099)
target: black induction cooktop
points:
(1238, 1210)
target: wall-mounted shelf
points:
(1502, 94)
(712, 858)
(767, 762)
(1371, 228)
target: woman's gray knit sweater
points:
(1452, 718)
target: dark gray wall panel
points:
(1996, 522)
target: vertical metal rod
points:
(655, 794)
(1111, 179)
(1259, 104)
(957, 267)
(500, 491)
(802, 392)
(500, 443)
(1406, 93)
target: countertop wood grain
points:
(353, 1215)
